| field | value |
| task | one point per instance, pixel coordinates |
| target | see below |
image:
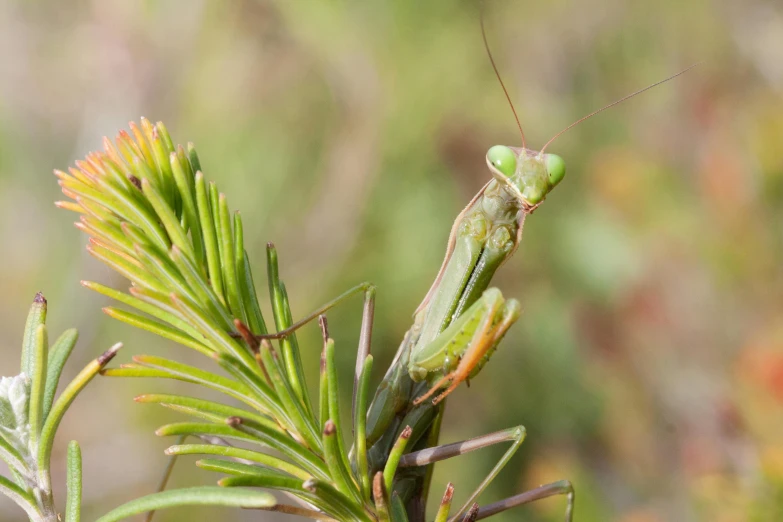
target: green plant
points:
(30, 413)
(152, 217)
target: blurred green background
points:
(648, 363)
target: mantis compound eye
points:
(555, 167)
(503, 159)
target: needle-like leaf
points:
(63, 401)
(35, 318)
(197, 496)
(74, 483)
(38, 384)
(268, 461)
(58, 356)
(360, 432)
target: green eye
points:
(555, 167)
(503, 159)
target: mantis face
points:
(530, 175)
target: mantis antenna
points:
(497, 73)
(616, 102)
(580, 120)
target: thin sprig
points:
(152, 216)
(31, 412)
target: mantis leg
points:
(365, 335)
(514, 435)
(561, 487)
(431, 455)
(369, 296)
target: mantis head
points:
(530, 175)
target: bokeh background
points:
(648, 363)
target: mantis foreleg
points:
(463, 348)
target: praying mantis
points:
(456, 329)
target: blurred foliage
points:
(648, 365)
